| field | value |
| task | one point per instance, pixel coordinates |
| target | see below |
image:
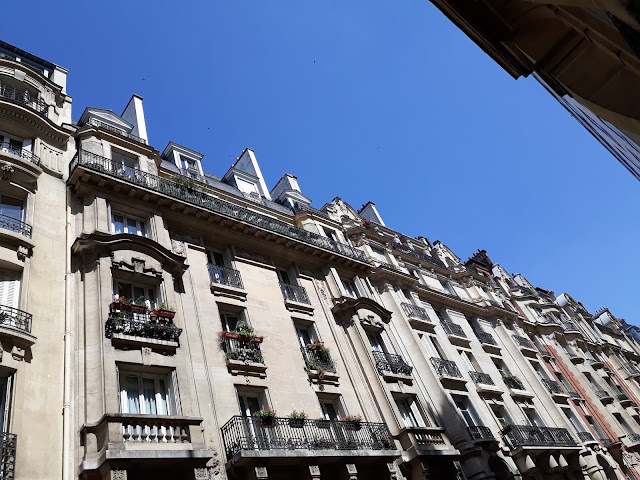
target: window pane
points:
(143, 230)
(149, 393)
(132, 226)
(133, 395)
(118, 224)
(124, 290)
(11, 207)
(162, 394)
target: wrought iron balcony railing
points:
(389, 362)
(23, 98)
(513, 382)
(413, 311)
(481, 377)
(553, 386)
(480, 432)
(15, 318)
(242, 351)
(421, 256)
(600, 393)
(105, 166)
(622, 397)
(118, 131)
(8, 443)
(446, 368)
(631, 369)
(295, 293)
(140, 325)
(586, 437)
(633, 437)
(316, 360)
(534, 436)
(19, 152)
(299, 207)
(451, 328)
(225, 276)
(486, 338)
(251, 433)
(15, 225)
(523, 342)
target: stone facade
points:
(194, 326)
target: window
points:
(128, 163)
(11, 144)
(466, 411)
(306, 335)
(532, 415)
(229, 321)
(378, 342)
(283, 275)
(470, 361)
(332, 234)
(332, 408)
(573, 419)
(146, 394)
(190, 165)
(350, 287)
(11, 207)
(446, 285)
(135, 292)
(501, 415)
(5, 401)
(122, 223)
(9, 288)
(251, 402)
(410, 412)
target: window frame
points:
(140, 222)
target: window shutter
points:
(9, 288)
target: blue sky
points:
(366, 100)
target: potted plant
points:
(139, 306)
(322, 443)
(231, 335)
(386, 441)
(121, 303)
(297, 419)
(245, 333)
(266, 417)
(366, 224)
(352, 422)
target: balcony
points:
(249, 437)
(20, 152)
(296, 298)
(418, 317)
(633, 441)
(319, 365)
(8, 443)
(596, 363)
(555, 390)
(575, 358)
(90, 162)
(481, 434)
(392, 367)
(121, 437)
(448, 372)
(624, 400)
(484, 383)
(516, 387)
(24, 98)
(128, 329)
(420, 255)
(417, 441)
(586, 437)
(526, 347)
(226, 282)
(15, 225)
(604, 396)
(244, 356)
(631, 370)
(16, 324)
(455, 334)
(487, 341)
(118, 131)
(525, 436)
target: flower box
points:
(231, 335)
(123, 307)
(267, 422)
(139, 309)
(323, 423)
(353, 426)
(165, 313)
(296, 422)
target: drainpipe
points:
(67, 425)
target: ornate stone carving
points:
(138, 265)
(314, 471)
(201, 474)
(261, 473)
(6, 170)
(118, 475)
(177, 246)
(146, 355)
(22, 253)
(17, 353)
(352, 471)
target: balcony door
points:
(255, 435)
(467, 412)
(9, 297)
(125, 164)
(11, 207)
(5, 402)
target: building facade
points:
(158, 321)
